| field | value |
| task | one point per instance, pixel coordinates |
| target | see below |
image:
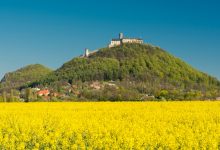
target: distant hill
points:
(139, 67)
(23, 76)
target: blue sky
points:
(52, 32)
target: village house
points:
(218, 98)
(45, 92)
(96, 85)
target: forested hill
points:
(143, 64)
(23, 76)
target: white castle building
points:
(115, 42)
(122, 40)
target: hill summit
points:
(23, 76)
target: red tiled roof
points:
(43, 92)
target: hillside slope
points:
(143, 68)
(24, 76)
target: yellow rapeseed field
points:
(106, 125)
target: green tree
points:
(4, 95)
(163, 94)
(12, 95)
(28, 95)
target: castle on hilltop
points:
(115, 42)
(122, 40)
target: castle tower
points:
(121, 36)
(86, 52)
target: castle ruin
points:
(122, 40)
(115, 42)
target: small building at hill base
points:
(43, 92)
